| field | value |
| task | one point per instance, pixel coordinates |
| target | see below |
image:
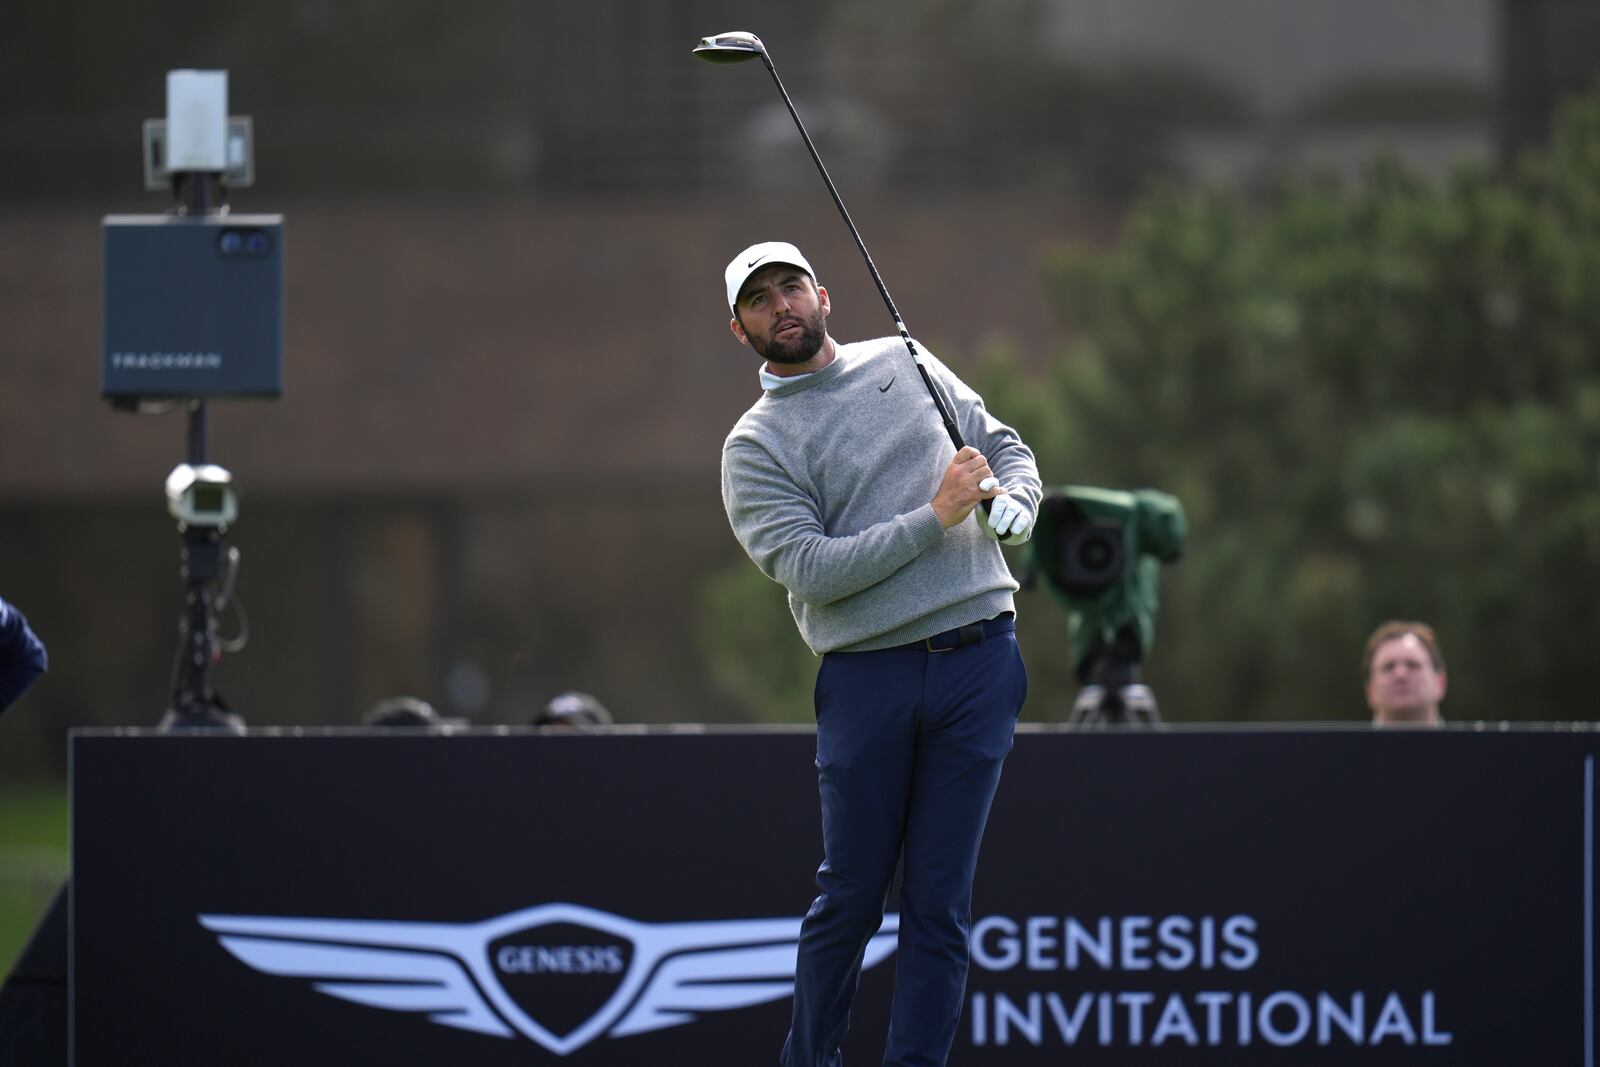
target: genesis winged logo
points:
(560, 974)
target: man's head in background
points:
(1405, 676)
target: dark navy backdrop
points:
(1425, 892)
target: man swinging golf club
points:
(841, 484)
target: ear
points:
(822, 300)
(1443, 684)
(738, 331)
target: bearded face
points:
(783, 315)
(795, 338)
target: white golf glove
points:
(1008, 520)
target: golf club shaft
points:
(883, 290)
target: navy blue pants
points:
(909, 747)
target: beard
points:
(796, 348)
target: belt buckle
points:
(970, 634)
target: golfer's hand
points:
(1008, 520)
(967, 481)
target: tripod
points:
(195, 705)
(208, 572)
(1115, 695)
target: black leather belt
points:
(961, 636)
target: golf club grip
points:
(950, 426)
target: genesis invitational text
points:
(1072, 1015)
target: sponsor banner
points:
(1182, 897)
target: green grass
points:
(33, 861)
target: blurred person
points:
(402, 711)
(22, 655)
(573, 710)
(841, 484)
(1405, 676)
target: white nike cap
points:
(758, 256)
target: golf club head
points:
(735, 46)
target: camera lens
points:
(230, 242)
(256, 243)
(1095, 554)
(1091, 556)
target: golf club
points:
(738, 46)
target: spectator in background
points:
(574, 710)
(22, 655)
(404, 711)
(1405, 677)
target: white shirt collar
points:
(772, 381)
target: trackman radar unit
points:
(193, 307)
(193, 298)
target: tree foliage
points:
(1374, 401)
(752, 647)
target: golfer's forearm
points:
(819, 570)
(782, 531)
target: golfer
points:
(841, 483)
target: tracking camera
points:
(202, 496)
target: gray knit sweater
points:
(828, 483)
